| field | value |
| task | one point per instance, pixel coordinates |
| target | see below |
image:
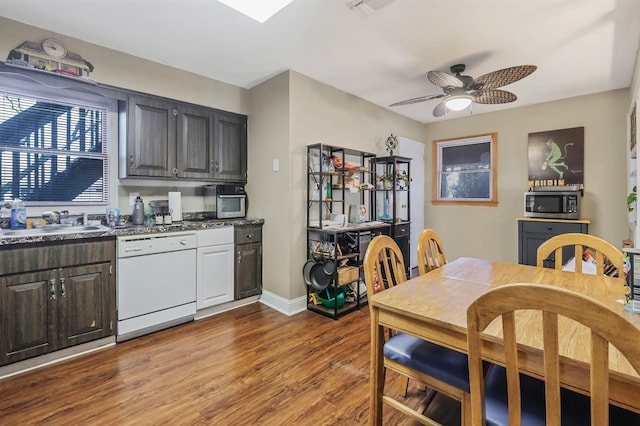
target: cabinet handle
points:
(550, 228)
(130, 160)
(175, 112)
(239, 257)
(175, 171)
(63, 292)
(249, 236)
(52, 289)
(212, 167)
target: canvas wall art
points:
(556, 158)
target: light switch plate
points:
(276, 165)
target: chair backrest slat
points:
(383, 265)
(603, 250)
(607, 327)
(430, 252)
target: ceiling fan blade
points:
(442, 79)
(504, 76)
(495, 96)
(440, 110)
(416, 100)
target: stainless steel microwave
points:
(225, 201)
(552, 204)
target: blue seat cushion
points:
(444, 364)
(575, 408)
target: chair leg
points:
(404, 385)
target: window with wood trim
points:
(465, 170)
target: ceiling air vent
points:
(367, 7)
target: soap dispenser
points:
(18, 215)
(138, 212)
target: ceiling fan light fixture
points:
(458, 102)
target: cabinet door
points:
(195, 149)
(402, 236)
(83, 304)
(248, 270)
(230, 160)
(151, 144)
(214, 275)
(26, 309)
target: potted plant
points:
(631, 198)
(402, 179)
(385, 181)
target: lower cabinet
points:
(401, 234)
(533, 232)
(215, 267)
(58, 306)
(248, 271)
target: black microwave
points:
(552, 204)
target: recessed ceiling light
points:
(260, 10)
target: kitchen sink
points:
(52, 230)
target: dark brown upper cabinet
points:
(170, 139)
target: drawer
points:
(553, 227)
(248, 234)
(401, 229)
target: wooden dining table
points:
(434, 306)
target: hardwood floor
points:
(252, 365)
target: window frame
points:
(436, 157)
(77, 93)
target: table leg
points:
(376, 369)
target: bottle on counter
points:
(18, 215)
(138, 212)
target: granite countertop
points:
(126, 229)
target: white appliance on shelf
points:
(156, 278)
(215, 267)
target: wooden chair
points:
(430, 253)
(602, 248)
(526, 400)
(441, 369)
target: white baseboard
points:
(214, 310)
(285, 306)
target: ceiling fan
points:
(460, 90)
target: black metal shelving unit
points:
(394, 202)
(340, 181)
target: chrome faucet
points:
(53, 217)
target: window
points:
(53, 152)
(465, 170)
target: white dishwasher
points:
(156, 278)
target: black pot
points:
(306, 271)
(319, 278)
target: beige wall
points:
(269, 191)
(491, 232)
(321, 113)
(130, 72)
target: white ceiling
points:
(579, 46)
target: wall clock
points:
(54, 48)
